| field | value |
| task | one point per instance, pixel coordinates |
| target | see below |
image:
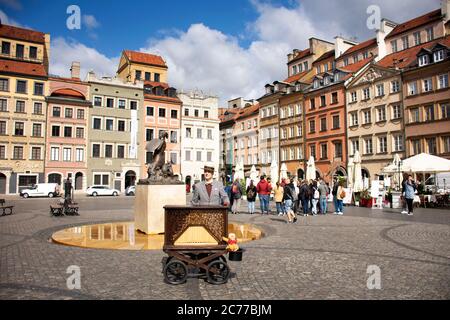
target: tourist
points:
(315, 197)
(340, 195)
(264, 188)
(304, 195)
(209, 192)
(251, 197)
(324, 191)
(334, 193)
(410, 192)
(278, 197)
(236, 195)
(402, 197)
(290, 197)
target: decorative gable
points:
(371, 75)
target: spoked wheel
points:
(175, 272)
(218, 272)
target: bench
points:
(6, 210)
(71, 210)
(56, 211)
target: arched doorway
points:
(365, 173)
(130, 178)
(318, 175)
(55, 178)
(2, 183)
(300, 174)
(340, 172)
(79, 181)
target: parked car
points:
(101, 191)
(130, 191)
(41, 190)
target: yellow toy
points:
(232, 242)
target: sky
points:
(227, 48)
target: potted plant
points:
(366, 199)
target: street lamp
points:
(399, 174)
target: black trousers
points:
(409, 202)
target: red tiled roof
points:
(68, 92)
(301, 54)
(354, 67)
(325, 56)
(363, 45)
(26, 68)
(157, 84)
(295, 77)
(416, 22)
(21, 34)
(405, 58)
(248, 111)
(145, 58)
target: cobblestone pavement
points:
(322, 257)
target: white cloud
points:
(6, 20)
(90, 22)
(64, 52)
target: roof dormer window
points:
(316, 83)
(438, 56)
(423, 60)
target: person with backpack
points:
(340, 195)
(263, 189)
(236, 194)
(323, 194)
(304, 197)
(251, 197)
(315, 198)
(289, 197)
(278, 197)
(410, 192)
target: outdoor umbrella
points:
(253, 174)
(274, 172)
(350, 170)
(283, 174)
(426, 163)
(357, 181)
(311, 169)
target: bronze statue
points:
(158, 170)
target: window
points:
(80, 133)
(121, 125)
(412, 88)
(188, 132)
(173, 136)
(416, 146)
(147, 76)
(366, 93)
(443, 81)
(97, 124)
(338, 150)
(323, 151)
(162, 112)
(173, 158)
(355, 58)
(19, 129)
(98, 101)
(292, 132)
(346, 62)
(18, 153)
(138, 74)
(396, 111)
(195, 113)
(336, 122)
(438, 56)
(305, 65)
(109, 102)
(431, 144)
(312, 104)
(21, 86)
(67, 154)
(38, 89)
(355, 146)
(322, 101)
(209, 134)
(427, 85)
(284, 133)
(382, 144)
(54, 154)
(325, 67)
(199, 133)
(417, 39)
(37, 108)
(80, 114)
(368, 145)
(133, 105)
(445, 111)
(69, 113)
(2, 127)
(430, 34)
(149, 134)
(294, 70)
(37, 129)
(395, 86)
(101, 179)
(394, 46)
(186, 112)
(380, 90)
(121, 104)
(109, 124)
(423, 60)
(381, 114)
(2, 152)
(206, 114)
(334, 97)
(108, 151)
(405, 42)
(312, 151)
(120, 152)
(318, 69)
(188, 155)
(199, 156)
(68, 132)
(174, 114)
(150, 111)
(429, 113)
(4, 85)
(312, 126)
(446, 141)
(415, 115)
(96, 150)
(157, 77)
(20, 106)
(365, 54)
(55, 131)
(3, 105)
(6, 47)
(398, 143)
(299, 131)
(79, 155)
(354, 119)
(19, 50)
(367, 116)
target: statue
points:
(158, 171)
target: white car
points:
(101, 191)
(41, 190)
(130, 191)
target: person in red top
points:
(264, 188)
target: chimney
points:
(75, 70)
(445, 10)
(385, 28)
(341, 45)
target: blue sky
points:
(228, 48)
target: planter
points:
(235, 255)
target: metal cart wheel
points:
(175, 272)
(218, 272)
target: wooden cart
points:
(193, 242)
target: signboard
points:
(348, 196)
(375, 189)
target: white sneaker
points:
(335, 212)
(340, 213)
(410, 214)
(404, 212)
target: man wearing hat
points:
(210, 192)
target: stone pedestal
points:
(149, 205)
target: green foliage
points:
(365, 195)
(244, 188)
